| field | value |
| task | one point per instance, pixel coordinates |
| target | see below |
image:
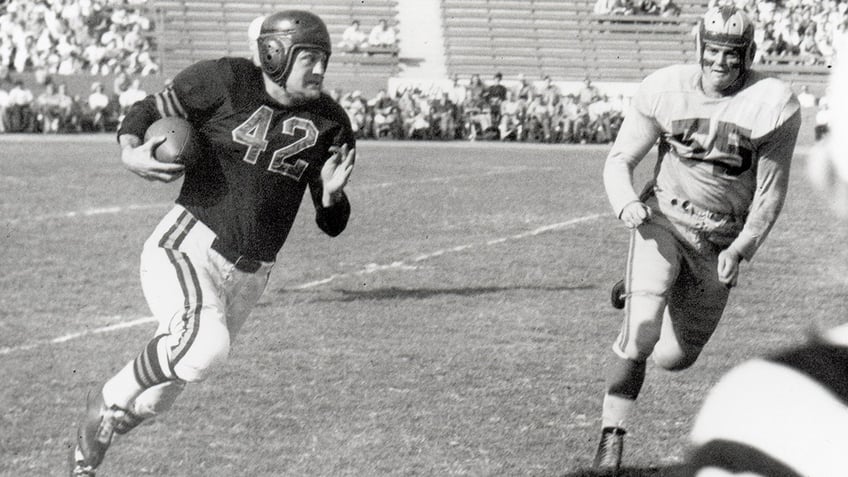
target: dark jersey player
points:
(268, 133)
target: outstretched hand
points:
(336, 172)
(140, 161)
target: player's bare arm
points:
(336, 173)
(138, 158)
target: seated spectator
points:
(96, 110)
(477, 117)
(588, 93)
(525, 89)
(444, 114)
(647, 7)
(130, 96)
(382, 36)
(357, 111)
(494, 94)
(565, 117)
(418, 125)
(600, 117)
(549, 90)
(669, 9)
(511, 118)
(20, 116)
(353, 39)
(47, 110)
(386, 116)
(608, 7)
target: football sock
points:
(147, 370)
(616, 410)
(625, 379)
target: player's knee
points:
(201, 361)
(675, 360)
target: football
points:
(181, 144)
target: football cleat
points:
(617, 295)
(95, 433)
(608, 457)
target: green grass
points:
(436, 349)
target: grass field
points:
(459, 326)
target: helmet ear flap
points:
(751, 53)
(273, 56)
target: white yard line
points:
(117, 209)
(407, 264)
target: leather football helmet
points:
(727, 26)
(283, 34)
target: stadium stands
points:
(191, 30)
(567, 41)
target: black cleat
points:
(617, 295)
(95, 433)
(608, 458)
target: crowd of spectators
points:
(63, 37)
(788, 31)
(663, 8)
(797, 31)
(381, 38)
(53, 110)
(473, 110)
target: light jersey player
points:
(726, 138)
(269, 133)
(785, 415)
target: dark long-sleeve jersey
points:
(258, 156)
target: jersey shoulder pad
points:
(204, 85)
(675, 78)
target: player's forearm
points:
(765, 208)
(772, 186)
(618, 181)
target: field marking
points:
(408, 264)
(117, 209)
(79, 334)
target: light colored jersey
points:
(729, 155)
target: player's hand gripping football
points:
(728, 267)
(139, 159)
(635, 214)
(336, 172)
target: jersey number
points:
(252, 134)
(729, 139)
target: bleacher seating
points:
(192, 30)
(567, 41)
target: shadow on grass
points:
(395, 293)
(668, 471)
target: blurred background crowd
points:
(112, 42)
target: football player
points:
(786, 414)
(269, 133)
(726, 138)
